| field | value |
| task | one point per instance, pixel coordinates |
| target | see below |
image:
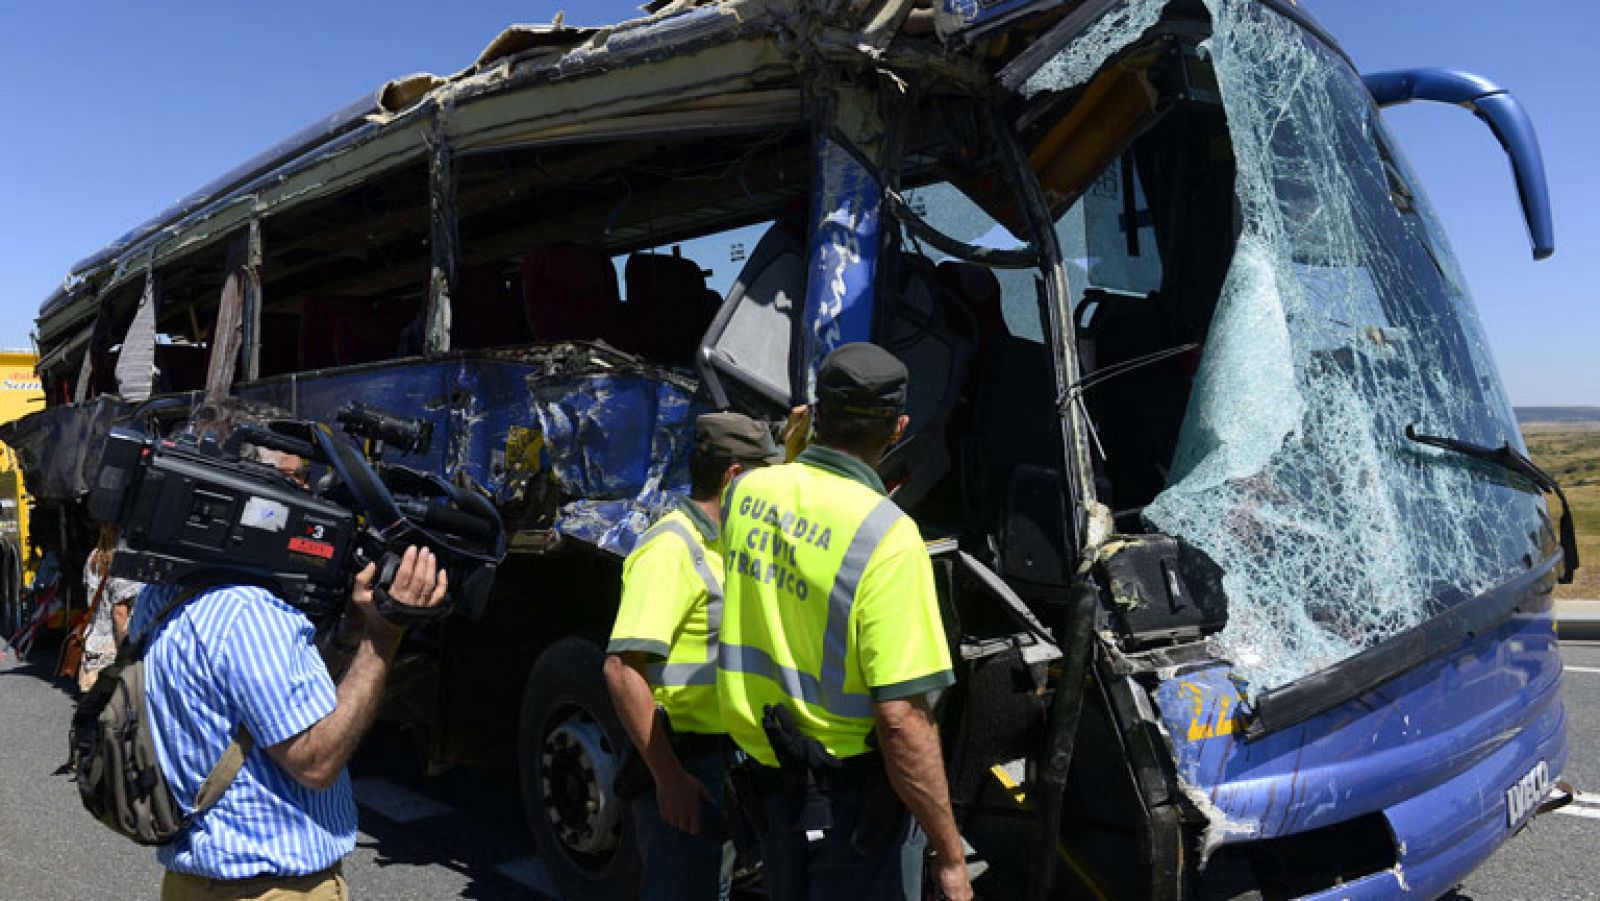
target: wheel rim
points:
(578, 764)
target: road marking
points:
(1582, 669)
(392, 802)
(530, 872)
(1584, 804)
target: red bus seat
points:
(345, 331)
(669, 308)
(570, 293)
(485, 312)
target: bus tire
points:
(568, 749)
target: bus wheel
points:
(569, 750)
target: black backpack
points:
(113, 756)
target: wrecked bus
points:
(1201, 414)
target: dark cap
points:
(864, 379)
(734, 437)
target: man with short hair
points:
(831, 640)
(663, 652)
(235, 661)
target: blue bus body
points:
(1173, 307)
(1433, 751)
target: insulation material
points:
(1342, 320)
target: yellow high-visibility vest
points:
(670, 610)
(829, 603)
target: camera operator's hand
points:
(419, 581)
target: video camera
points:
(192, 509)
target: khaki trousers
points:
(327, 885)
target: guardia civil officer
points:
(831, 641)
(663, 652)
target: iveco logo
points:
(15, 384)
(1523, 797)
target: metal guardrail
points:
(1578, 620)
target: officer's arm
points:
(315, 757)
(636, 708)
(678, 792)
(909, 742)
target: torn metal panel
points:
(227, 334)
(58, 448)
(697, 116)
(63, 350)
(966, 18)
(844, 255)
(136, 364)
(407, 387)
(657, 33)
(253, 301)
(80, 391)
(609, 436)
(549, 100)
(444, 240)
(1446, 721)
(620, 445)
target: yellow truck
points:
(20, 394)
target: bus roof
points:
(538, 60)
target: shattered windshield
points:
(1342, 319)
(1263, 301)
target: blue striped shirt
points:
(230, 657)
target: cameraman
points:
(236, 660)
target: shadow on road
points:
(481, 832)
(40, 664)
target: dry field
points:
(1571, 453)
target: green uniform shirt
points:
(671, 604)
(830, 603)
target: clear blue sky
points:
(114, 110)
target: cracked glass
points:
(1342, 319)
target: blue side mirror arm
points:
(1504, 116)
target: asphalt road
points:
(461, 835)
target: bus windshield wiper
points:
(1512, 460)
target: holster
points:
(806, 768)
(809, 790)
(884, 816)
(747, 794)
